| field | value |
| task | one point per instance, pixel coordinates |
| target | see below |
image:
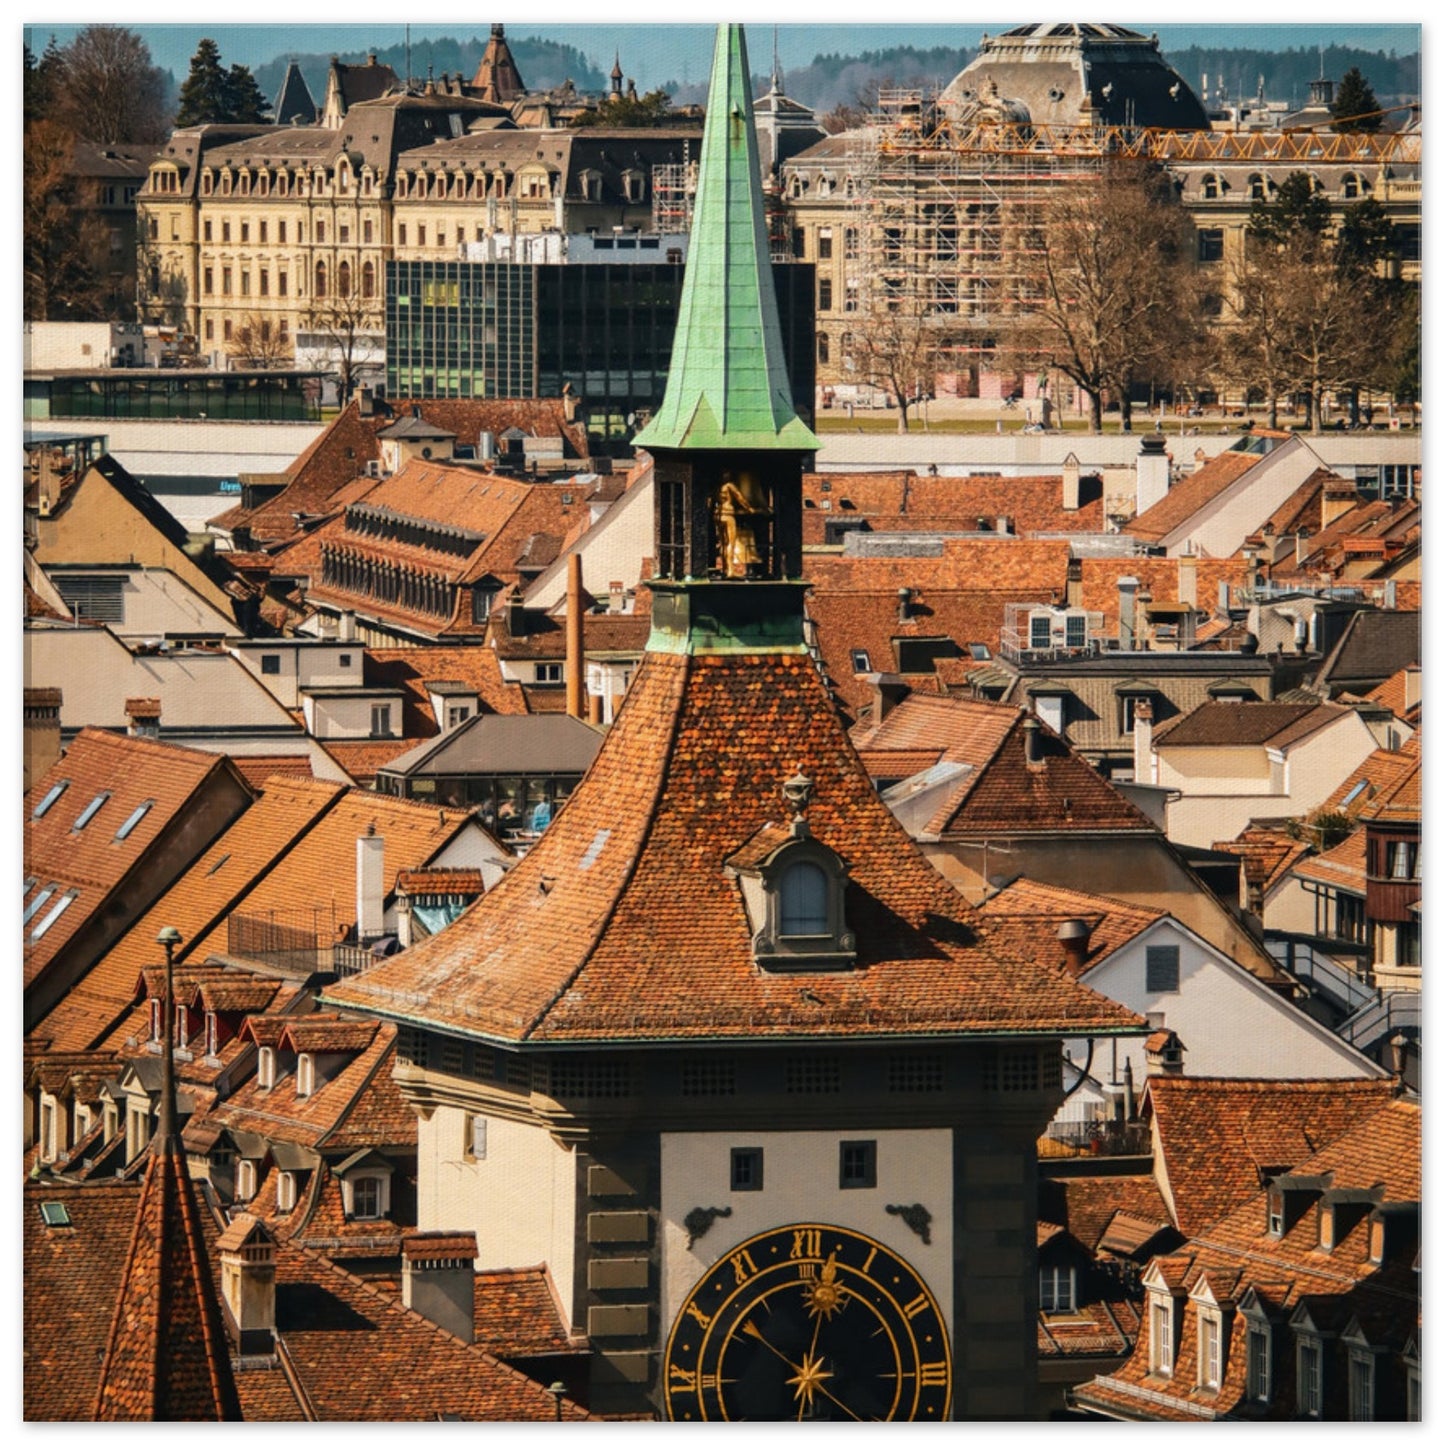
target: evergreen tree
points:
(205, 96)
(1355, 106)
(1298, 209)
(245, 101)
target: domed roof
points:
(1071, 74)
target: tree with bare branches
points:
(348, 325)
(257, 342)
(894, 348)
(1104, 291)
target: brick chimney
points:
(370, 885)
(248, 1283)
(1031, 729)
(143, 717)
(437, 1279)
(1074, 940)
(42, 731)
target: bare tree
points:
(61, 237)
(347, 323)
(109, 89)
(256, 342)
(1104, 291)
(894, 348)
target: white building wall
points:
(1231, 1025)
(800, 1184)
(521, 1199)
(1218, 528)
(612, 550)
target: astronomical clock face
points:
(809, 1322)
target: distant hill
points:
(543, 63)
(1287, 73)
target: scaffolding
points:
(945, 199)
(674, 189)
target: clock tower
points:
(724, 1050)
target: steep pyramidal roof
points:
(728, 383)
(497, 77)
(294, 102)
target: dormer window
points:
(1057, 1289)
(305, 1076)
(1211, 1346)
(248, 1180)
(157, 1019)
(794, 888)
(285, 1191)
(1259, 1363)
(366, 1196)
(266, 1067)
(1161, 1335)
(1275, 1222)
(213, 1034)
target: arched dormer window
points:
(243, 183)
(283, 182)
(795, 187)
(226, 182)
(263, 183)
(1350, 187)
(403, 185)
(368, 183)
(1257, 189)
(208, 182)
(343, 178)
(1209, 186)
(794, 889)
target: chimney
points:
(143, 715)
(1412, 686)
(1338, 496)
(1189, 579)
(1388, 601)
(576, 700)
(365, 402)
(1074, 583)
(905, 598)
(248, 1283)
(1144, 741)
(1128, 587)
(616, 597)
(1071, 483)
(1163, 1053)
(49, 481)
(437, 1274)
(370, 885)
(888, 691)
(1074, 940)
(42, 731)
(346, 627)
(403, 916)
(516, 614)
(1031, 741)
(1300, 550)
(569, 397)
(1151, 473)
(487, 446)
(594, 708)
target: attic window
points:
(61, 904)
(366, 1196)
(48, 801)
(861, 662)
(305, 1076)
(89, 811)
(285, 1191)
(1355, 792)
(1276, 1214)
(247, 1180)
(37, 903)
(1056, 1289)
(54, 1214)
(129, 826)
(266, 1067)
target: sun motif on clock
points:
(809, 1322)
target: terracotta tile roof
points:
(324, 1033)
(1160, 576)
(1303, 508)
(1267, 853)
(319, 874)
(320, 1221)
(1105, 1328)
(1247, 724)
(461, 882)
(903, 500)
(280, 1115)
(70, 1291)
(1191, 493)
(127, 773)
(414, 667)
(363, 760)
(1379, 771)
(1214, 1138)
(622, 923)
(516, 1313)
(1237, 1254)
(213, 885)
(1393, 691)
(167, 1357)
(359, 1355)
(1342, 866)
(1398, 801)
(1086, 1205)
(258, 771)
(893, 764)
(1023, 921)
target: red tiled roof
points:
(211, 887)
(1267, 853)
(1160, 576)
(414, 667)
(1216, 1137)
(167, 1357)
(1342, 866)
(1024, 918)
(516, 1313)
(93, 862)
(1191, 493)
(258, 771)
(622, 922)
(363, 760)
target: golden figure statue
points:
(737, 507)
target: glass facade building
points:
(511, 329)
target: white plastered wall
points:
(800, 1185)
(521, 1199)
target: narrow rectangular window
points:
(1258, 1381)
(746, 1170)
(1161, 968)
(1309, 1378)
(858, 1164)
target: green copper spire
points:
(728, 383)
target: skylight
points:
(53, 1212)
(37, 903)
(1356, 791)
(218, 864)
(59, 907)
(128, 827)
(45, 804)
(89, 811)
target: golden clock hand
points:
(806, 1400)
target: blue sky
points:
(653, 53)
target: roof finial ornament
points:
(797, 794)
